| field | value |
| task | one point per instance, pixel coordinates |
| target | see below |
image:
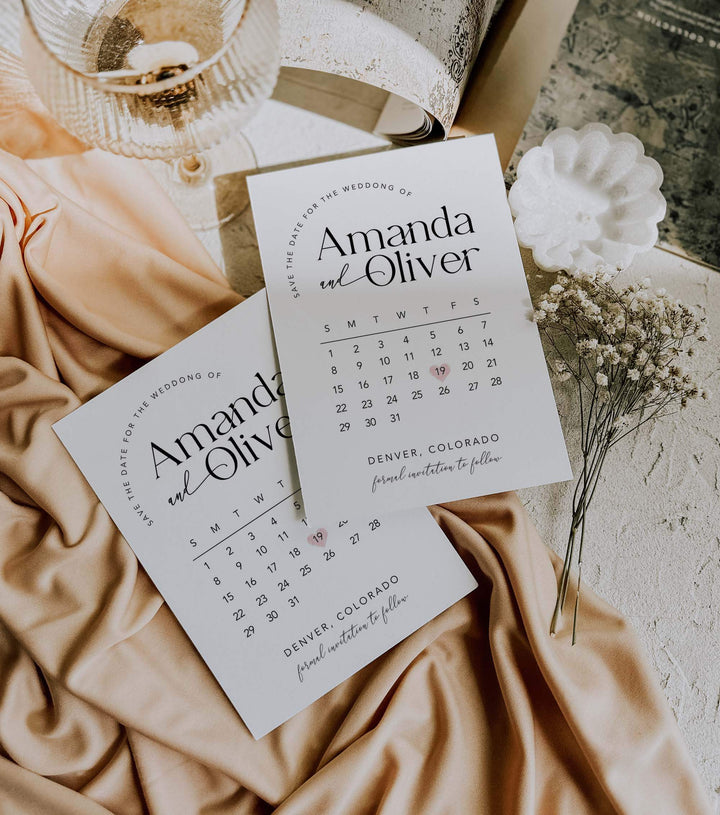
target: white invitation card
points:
(192, 457)
(414, 374)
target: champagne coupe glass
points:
(173, 80)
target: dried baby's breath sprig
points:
(625, 348)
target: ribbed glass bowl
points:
(76, 52)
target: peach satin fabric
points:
(105, 707)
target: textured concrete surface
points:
(652, 547)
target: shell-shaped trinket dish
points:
(586, 198)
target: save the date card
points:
(401, 316)
(192, 457)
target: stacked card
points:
(409, 374)
(400, 310)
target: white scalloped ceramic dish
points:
(587, 197)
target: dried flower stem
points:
(623, 348)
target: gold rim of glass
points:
(155, 86)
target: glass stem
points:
(193, 169)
